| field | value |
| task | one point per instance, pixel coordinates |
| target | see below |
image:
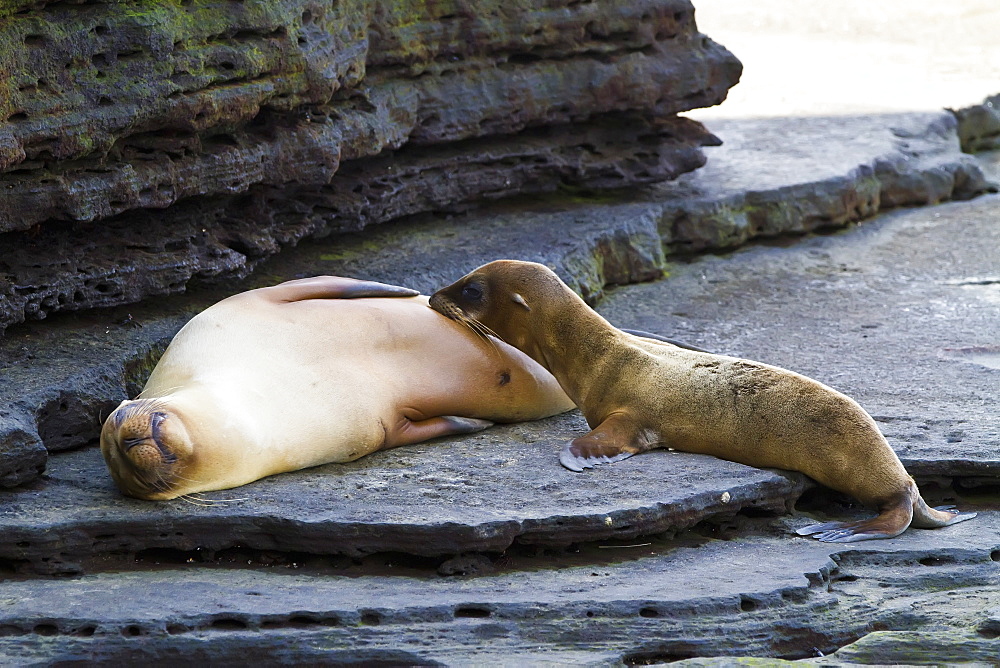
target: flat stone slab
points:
(793, 175)
(655, 601)
(59, 377)
(783, 306)
(478, 494)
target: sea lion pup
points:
(310, 372)
(638, 394)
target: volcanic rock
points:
(148, 146)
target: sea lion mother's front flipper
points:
(334, 287)
(617, 438)
(408, 432)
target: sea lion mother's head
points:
(147, 449)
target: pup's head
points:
(501, 296)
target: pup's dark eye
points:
(472, 292)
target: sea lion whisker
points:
(159, 391)
(162, 484)
(474, 326)
(168, 390)
(162, 480)
(140, 408)
(485, 329)
(177, 476)
(469, 321)
(484, 333)
(201, 497)
(481, 330)
(158, 484)
(194, 502)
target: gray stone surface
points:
(900, 312)
(479, 494)
(423, 554)
(655, 601)
(753, 185)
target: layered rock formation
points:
(979, 125)
(59, 378)
(482, 549)
(145, 145)
(418, 554)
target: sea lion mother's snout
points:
(129, 443)
(146, 446)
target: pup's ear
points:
(518, 299)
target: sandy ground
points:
(815, 57)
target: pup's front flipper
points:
(617, 438)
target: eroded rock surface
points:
(487, 536)
(655, 601)
(148, 145)
(979, 125)
(484, 549)
(753, 188)
(487, 492)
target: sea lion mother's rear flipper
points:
(617, 438)
(334, 287)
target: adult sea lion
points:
(638, 394)
(310, 372)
